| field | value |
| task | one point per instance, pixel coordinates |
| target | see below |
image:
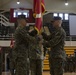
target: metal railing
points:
(70, 38)
(4, 21)
(8, 37)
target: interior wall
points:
(50, 5)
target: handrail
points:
(4, 21)
(4, 11)
(2, 16)
(70, 38)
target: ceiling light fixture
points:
(66, 3)
(18, 2)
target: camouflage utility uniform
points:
(36, 57)
(11, 64)
(0, 63)
(57, 52)
(21, 48)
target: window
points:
(26, 14)
(66, 16)
(19, 12)
(14, 14)
(61, 15)
(55, 14)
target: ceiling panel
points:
(50, 5)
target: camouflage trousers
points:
(75, 66)
(56, 66)
(21, 66)
(0, 65)
(36, 66)
(12, 67)
(0, 68)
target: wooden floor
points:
(44, 73)
(47, 73)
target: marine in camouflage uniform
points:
(35, 55)
(0, 63)
(21, 47)
(57, 52)
(11, 64)
(75, 58)
(0, 60)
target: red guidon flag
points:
(39, 8)
(12, 42)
